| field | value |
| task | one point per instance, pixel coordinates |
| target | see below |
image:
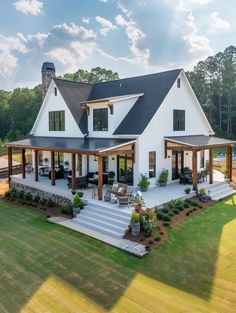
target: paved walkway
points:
(4, 162)
(123, 244)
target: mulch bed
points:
(42, 209)
(162, 231)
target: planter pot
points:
(73, 193)
(135, 229)
(162, 184)
(143, 189)
(76, 211)
(138, 207)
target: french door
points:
(177, 164)
(125, 169)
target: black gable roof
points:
(73, 93)
(154, 86)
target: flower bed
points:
(45, 205)
(168, 216)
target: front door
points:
(125, 169)
(177, 164)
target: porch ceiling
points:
(71, 145)
(197, 142)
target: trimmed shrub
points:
(194, 209)
(8, 194)
(170, 204)
(28, 196)
(161, 233)
(166, 224)
(180, 207)
(179, 202)
(176, 211)
(186, 205)
(195, 203)
(200, 206)
(165, 210)
(67, 208)
(166, 218)
(189, 201)
(36, 198)
(50, 202)
(150, 242)
(13, 191)
(187, 214)
(160, 215)
(143, 238)
(43, 201)
(158, 238)
(171, 214)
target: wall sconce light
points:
(113, 159)
(95, 158)
(186, 153)
(168, 156)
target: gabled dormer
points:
(105, 115)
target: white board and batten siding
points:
(55, 103)
(161, 126)
(120, 110)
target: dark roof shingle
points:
(154, 86)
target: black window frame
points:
(178, 83)
(56, 120)
(100, 119)
(152, 164)
(55, 91)
(178, 120)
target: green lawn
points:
(47, 268)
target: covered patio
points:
(76, 147)
(196, 143)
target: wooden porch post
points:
(229, 162)
(211, 165)
(53, 178)
(194, 170)
(100, 178)
(23, 162)
(9, 150)
(36, 165)
(73, 181)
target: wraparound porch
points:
(153, 197)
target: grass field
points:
(47, 268)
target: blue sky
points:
(132, 37)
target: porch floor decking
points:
(153, 197)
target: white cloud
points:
(135, 35)
(218, 24)
(8, 47)
(106, 25)
(201, 2)
(86, 20)
(33, 7)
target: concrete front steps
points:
(108, 221)
(221, 190)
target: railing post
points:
(100, 178)
(23, 162)
(9, 150)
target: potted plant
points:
(163, 178)
(111, 176)
(138, 203)
(135, 224)
(66, 163)
(73, 192)
(202, 192)
(187, 190)
(144, 182)
(77, 202)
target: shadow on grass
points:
(32, 250)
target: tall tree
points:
(96, 75)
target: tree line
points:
(213, 80)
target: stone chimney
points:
(48, 72)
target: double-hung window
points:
(56, 120)
(179, 120)
(152, 164)
(100, 119)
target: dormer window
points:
(100, 119)
(55, 91)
